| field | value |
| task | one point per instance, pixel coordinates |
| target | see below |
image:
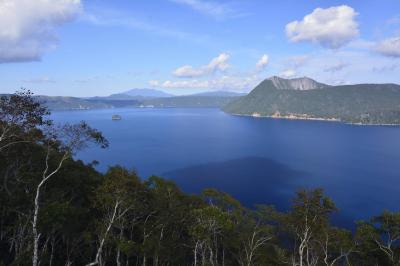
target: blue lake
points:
(257, 160)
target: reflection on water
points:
(252, 180)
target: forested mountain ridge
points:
(360, 103)
(189, 101)
(71, 103)
(209, 99)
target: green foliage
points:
(209, 220)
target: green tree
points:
(307, 222)
(381, 235)
(116, 197)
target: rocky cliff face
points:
(297, 83)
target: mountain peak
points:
(303, 83)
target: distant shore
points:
(293, 117)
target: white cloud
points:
(92, 78)
(389, 47)
(335, 67)
(106, 17)
(361, 44)
(393, 20)
(27, 28)
(219, 63)
(385, 68)
(351, 65)
(213, 9)
(331, 27)
(154, 83)
(201, 78)
(344, 66)
(298, 61)
(262, 62)
(186, 84)
(39, 80)
(231, 83)
(288, 73)
(188, 71)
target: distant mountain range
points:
(304, 98)
(140, 98)
(189, 101)
(299, 98)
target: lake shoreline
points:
(312, 119)
(235, 114)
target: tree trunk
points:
(52, 251)
(223, 257)
(195, 253)
(36, 235)
(100, 249)
(118, 257)
(155, 261)
(211, 258)
(118, 249)
(45, 177)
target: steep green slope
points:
(362, 103)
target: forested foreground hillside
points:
(59, 211)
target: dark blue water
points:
(257, 160)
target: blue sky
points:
(98, 47)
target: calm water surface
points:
(256, 160)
